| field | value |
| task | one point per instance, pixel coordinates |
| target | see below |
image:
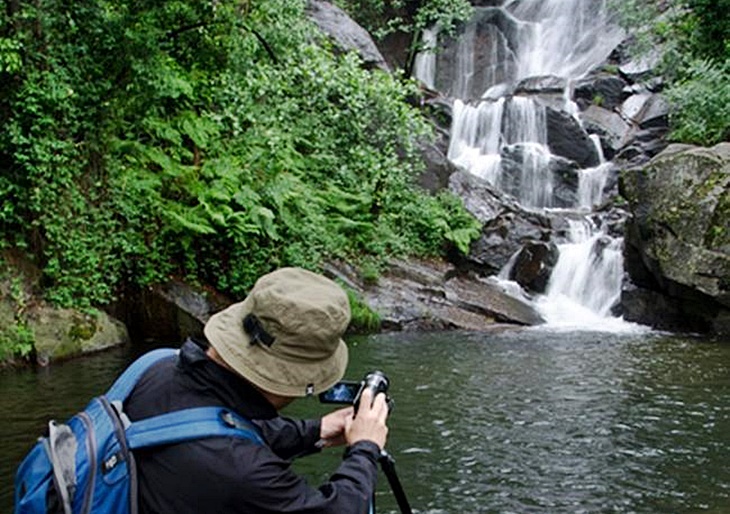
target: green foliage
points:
(701, 103)
(694, 38)
(364, 319)
(10, 61)
(16, 340)
(383, 17)
(214, 141)
(708, 28)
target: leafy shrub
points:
(701, 103)
(214, 141)
(16, 340)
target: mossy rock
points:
(679, 231)
(63, 333)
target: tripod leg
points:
(388, 464)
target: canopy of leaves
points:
(212, 140)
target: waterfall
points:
(475, 138)
(500, 132)
(588, 273)
(425, 66)
(565, 38)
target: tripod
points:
(387, 463)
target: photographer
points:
(284, 341)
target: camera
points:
(348, 392)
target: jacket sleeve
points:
(268, 485)
(290, 438)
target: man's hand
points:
(332, 431)
(369, 424)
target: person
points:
(283, 342)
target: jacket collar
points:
(233, 390)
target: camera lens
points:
(377, 382)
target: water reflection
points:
(520, 421)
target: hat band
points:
(256, 331)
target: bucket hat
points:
(286, 336)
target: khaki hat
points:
(286, 336)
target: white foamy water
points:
(587, 277)
(566, 38)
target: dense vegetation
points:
(213, 140)
(694, 38)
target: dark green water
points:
(522, 421)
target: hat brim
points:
(262, 366)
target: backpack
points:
(86, 464)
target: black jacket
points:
(226, 474)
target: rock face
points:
(677, 243)
(170, 312)
(432, 295)
(347, 35)
(507, 226)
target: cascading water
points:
(500, 131)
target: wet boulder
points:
(612, 130)
(53, 333)
(566, 137)
(489, 38)
(506, 225)
(640, 67)
(533, 265)
(170, 311)
(544, 84)
(677, 240)
(523, 166)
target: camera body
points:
(349, 392)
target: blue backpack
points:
(86, 465)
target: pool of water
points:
(518, 421)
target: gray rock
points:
(546, 84)
(507, 226)
(678, 239)
(64, 333)
(534, 264)
(606, 89)
(568, 139)
(655, 113)
(172, 311)
(564, 176)
(612, 129)
(438, 168)
(347, 35)
(494, 34)
(632, 109)
(56, 333)
(432, 295)
(642, 66)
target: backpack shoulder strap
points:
(123, 385)
(189, 424)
